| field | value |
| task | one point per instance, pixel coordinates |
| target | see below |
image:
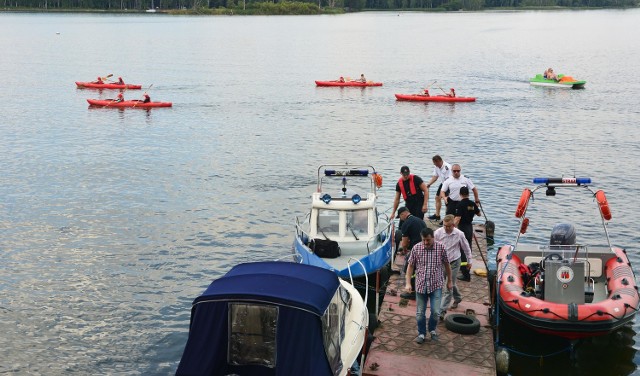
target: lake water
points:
(112, 221)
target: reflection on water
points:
(114, 221)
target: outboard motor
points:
(563, 234)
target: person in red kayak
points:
(146, 97)
(120, 98)
(362, 79)
(451, 93)
(341, 79)
(425, 92)
(120, 81)
(98, 81)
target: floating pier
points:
(394, 350)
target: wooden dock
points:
(394, 351)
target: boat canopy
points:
(267, 318)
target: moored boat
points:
(344, 223)
(348, 83)
(564, 288)
(106, 103)
(432, 98)
(275, 318)
(107, 85)
(563, 82)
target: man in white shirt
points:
(454, 243)
(453, 184)
(442, 171)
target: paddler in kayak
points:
(146, 97)
(341, 79)
(98, 81)
(362, 79)
(425, 92)
(120, 98)
(120, 81)
(451, 93)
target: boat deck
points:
(394, 352)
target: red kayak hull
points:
(348, 83)
(433, 98)
(111, 103)
(93, 85)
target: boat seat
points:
(595, 264)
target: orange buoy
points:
(377, 179)
(604, 205)
(524, 201)
(524, 225)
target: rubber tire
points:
(462, 324)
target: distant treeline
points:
(328, 5)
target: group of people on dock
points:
(433, 255)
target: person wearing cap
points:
(410, 230)
(442, 171)
(453, 184)
(456, 246)
(464, 214)
(414, 192)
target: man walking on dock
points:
(455, 244)
(430, 262)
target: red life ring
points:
(377, 179)
(524, 225)
(604, 205)
(524, 201)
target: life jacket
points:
(412, 187)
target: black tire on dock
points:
(462, 324)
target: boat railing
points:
(377, 237)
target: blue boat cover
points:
(302, 294)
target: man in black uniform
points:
(411, 228)
(464, 213)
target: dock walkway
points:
(394, 352)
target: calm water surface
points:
(112, 221)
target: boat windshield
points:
(358, 221)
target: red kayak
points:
(106, 85)
(433, 98)
(348, 83)
(130, 103)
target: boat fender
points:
(462, 324)
(603, 204)
(524, 201)
(524, 225)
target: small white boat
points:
(345, 218)
(275, 318)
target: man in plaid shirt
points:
(430, 262)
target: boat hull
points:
(106, 103)
(347, 83)
(569, 320)
(93, 85)
(432, 98)
(372, 262)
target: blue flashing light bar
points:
(577, 181)
(346, 173)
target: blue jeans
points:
(434, 302)
(455, 266)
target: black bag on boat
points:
(325, 248)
